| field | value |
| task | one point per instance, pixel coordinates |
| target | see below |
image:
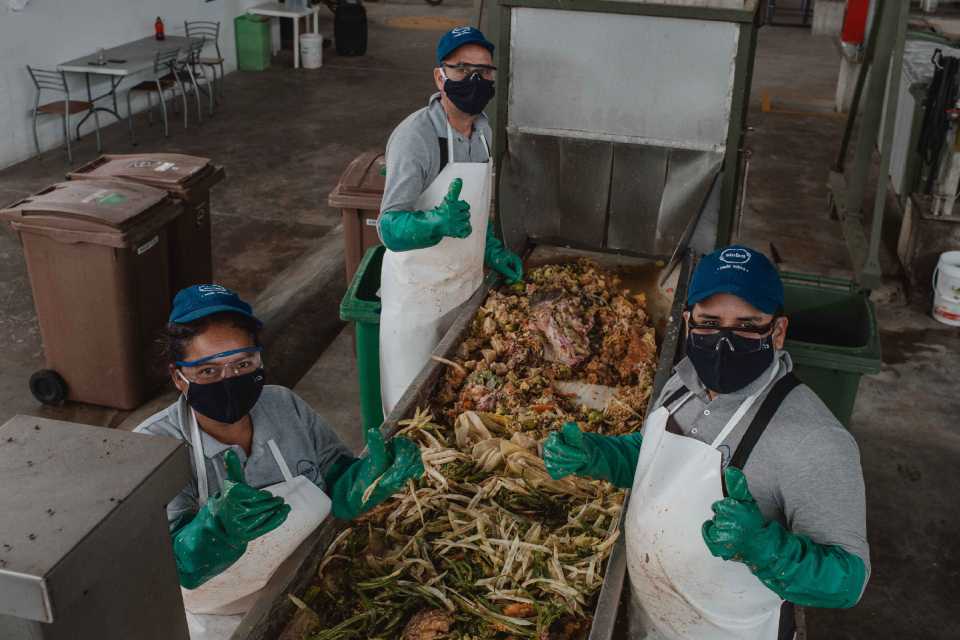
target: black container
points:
(350, 28)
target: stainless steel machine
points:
(84, 548)
(618, 135)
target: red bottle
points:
(158, 28)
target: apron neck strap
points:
(199, 461)
(450, 158)
(449, 142)
(284, 469)
(743, 408)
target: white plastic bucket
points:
(311, 50)
(946, 289)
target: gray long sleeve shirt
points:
(413, 153)
(804, 471)
(307, 443)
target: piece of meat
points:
(564, 328)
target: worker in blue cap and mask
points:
(747, 493)
(264, 463)
(435, 211)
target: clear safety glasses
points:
(709, 336)
(462, 71)
(212, 369)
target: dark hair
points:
(176, 337)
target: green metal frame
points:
(749, 21)
(884, 51)
(739, 106)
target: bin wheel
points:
(48, 387)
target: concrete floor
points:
(284, 137)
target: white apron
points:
(681, 591)
(419, 288)
(229, 595)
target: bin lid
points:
(361, 184)
(85, 207)
(164, 170)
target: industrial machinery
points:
(925, 155)
(906, 104)
(618, 135)
(84, 548)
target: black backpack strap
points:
(758, 425)
(444, 153)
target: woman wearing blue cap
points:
(266, 468)
(435, 211)
(747, 493)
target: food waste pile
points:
(486, 545)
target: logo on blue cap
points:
(207, 290)
(735, 255)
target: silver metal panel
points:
(601, 196)
(78, 493)
(902, 135)
(622, 78)
(654, 194)
(557, 189)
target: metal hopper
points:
(618, 132)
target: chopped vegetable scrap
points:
(487, 546)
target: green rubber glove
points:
(407, 230)
(218, 535)
(610, 458)
(791, 565)
(397, 461)
(502, 260)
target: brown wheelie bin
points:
(98, 257)
(186, 178)
(358, 196)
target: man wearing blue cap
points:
(747, 493)
(435, 211)
(264, 462)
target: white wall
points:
(48, 32)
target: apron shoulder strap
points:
(444, 153)
(758, 425)
(284, 469)
(676, 395)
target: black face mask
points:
(230, 399)
(470, 95)
(733, 363)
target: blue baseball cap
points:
(459, 36)
(202, 300)
(741, 271)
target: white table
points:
(122, 61)
(277, 10)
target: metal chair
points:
(189, 72)
(56, 81)
(164, 79)
(209, 30)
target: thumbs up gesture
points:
(245, 513)
(454, 213)
(737, 521)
